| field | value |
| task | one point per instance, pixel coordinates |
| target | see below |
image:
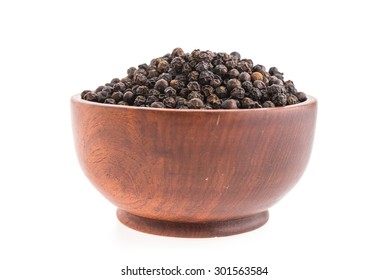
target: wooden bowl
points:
(193, 173)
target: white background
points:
(55, 225)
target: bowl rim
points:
(310, 100)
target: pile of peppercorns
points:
(199, 80)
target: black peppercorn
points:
(214, 101)
(163, 66)
(157, 105)
(195, 94)
(233, 74)
(233, 83)
(140, 79)
(102, 95)
(216, 81)
(229, 104)
(205, 77)
(109, 101)
(244, 76)
(123, 103)
(170, 92)
(220, 70)
(301, 96)
(243, 66)
(140, 100)
(131, 72)
(161, 85)
(90, 96)
(247, 103)
(255, 94)
(193, 86)
(177, 64)
(235, 55)
(292, 99)
(169, 102)
(268, 104)
(195, 103)
(84, 93)
(193, 76)
(273, 80)
(275, 89)
(207, 90)
(142, 90)
(151, 99)
(117, 96)
(279, 99)
(129, 97)
(238, 93)
(221, 92)
(247, 85)
(166, 76)
(178, 52)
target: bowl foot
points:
(193, 230)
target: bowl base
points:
(193, 230)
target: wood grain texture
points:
(192, 166)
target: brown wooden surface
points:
(192, 166)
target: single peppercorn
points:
(166, 76)
(238, 93)
(102, 95)
(273, 80)
(247, 103)
(195, 94)
(140, 100)
(109, 101)
(207, 90)
(90, 96)
(220, 70)
(268, 104)
(140, 79)
(255, 94)
(214, 101)
(142, 90)
(170, 92)
(292, 99)
(151, 99)
(235, 55)
(205, 77)
(117, 96)
(161, 85)
(129, 97)
(193, 86)
(301, 96)
(178, 52)
(157, 105)
(233, 74)
(233, 83)
(216, 81)
(229, 104)
(163, 66)
(123, 103)
(244, 76)
(193, 76)
(195, 103)
(169, 102)
(256, 76)
(275, 89)
(221, 92)
(247, 85)
(279, 99)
